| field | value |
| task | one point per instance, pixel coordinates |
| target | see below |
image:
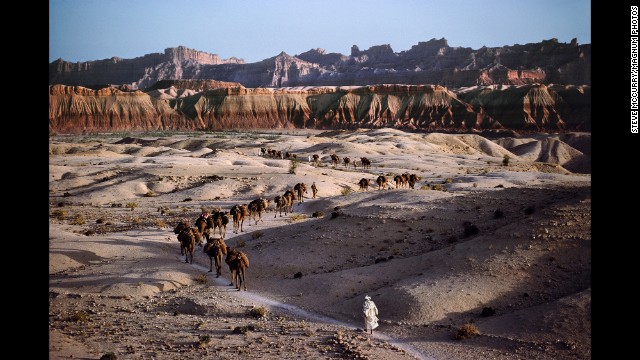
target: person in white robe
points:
(370, 312)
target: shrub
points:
(150, 193)
(293, 164)
(79, 220)
(346, 190)
(59, 214)
(448, 181)
(466, 331)
(90, 232)
(187, 199)
(309, 332)
(470, 229)
(317, 213)
(529, 210)
(498, 214)
(161, 223)
(243, 329)
(242, 243)
(131, 205)
(296, 217)
(202, 279)
(297, 275)
(203, 341)
(136, 220)
(256, 234)
(437, 187)
(99, 221)
(425, 187)
(505, 160)
(259, 312)
(80, 316)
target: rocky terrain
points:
(429, 62)
(213, 105)
(495, 238)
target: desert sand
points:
(521, 273)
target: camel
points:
(290, 197)
(364, 184)
(188, 243)
(257, 207)
(239, 212)
(279, 154)
(238, 263)
(316, 159)
(280, 203)
(204, 224)
(382, 182)
(335, 159)
(215, 248)
(300, 189)
(220, 221)
(413, 179)
(366, 164)
(263, 151)
(177, 230)
(314, 190)
(346, 160)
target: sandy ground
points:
(118, 282)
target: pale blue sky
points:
(81, 30)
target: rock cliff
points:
(430, 62)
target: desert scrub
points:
(108, 356)
(131, 205)
(59, 214)
(80, 316)
(505, 160)
(317, 213)
(79, 220)
(242, 243)
(259, 312)
(136, 221)
(202, 279)
(150, 193)
(256, 234)
(203, 341)
(293, 165)
(346, 190)
(425, 187)
(296, 217)
(437, 187)
(466, 331)
(448, 181)
(161, 224)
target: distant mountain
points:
(431, 62)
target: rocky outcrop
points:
(412, 107)
(430, 62)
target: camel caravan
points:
(210, 228)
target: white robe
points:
(370, 314)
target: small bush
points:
(470, 229)
(59, 214)
(317, 213)
(335, 214)
(242, 243)
(202, 279)
(136, 220)
(296, 217)
(293, 164)
(108, 356)
(437, 187)
(79, 220)
(243, 329)
(498, 214)
(67, 194)
(80, 316)
(150, 193)
(259, 312)
(529, 210)
(448, 181)
(309, 332)
(467, 331)
(346, 190)
(131, 205)
(99, 221)
(161, 223)
(425, 187)
(256, 234)
(203, 341)
(475, 185)
(505, 160)
(187, 199)
(297, 275)
(90, 232)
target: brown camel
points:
(290, 197)
(188, 242)
(300, 189)
(413, 179)
(281, 204)
(215, 248)
(238, 212)
(364, 184)
(382, 182)
(314, 190)
(177, 230)
(366, 164)
(257, 207)
(220, 221)
(238, 263)
(316, 159)
(334, 160)
(346, 160)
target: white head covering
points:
(367, 297)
